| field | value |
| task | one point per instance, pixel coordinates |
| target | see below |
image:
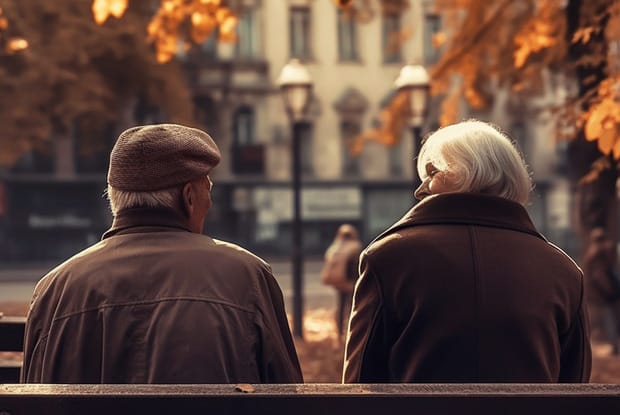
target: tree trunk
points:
(595, 196)
(593, 175)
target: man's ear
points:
(189, 201)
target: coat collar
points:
(128, 220)
(467, 209)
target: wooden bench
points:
(11, 340)
(321, 399)
(316, 399)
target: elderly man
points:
(156, 301)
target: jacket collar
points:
(467, 209)
(129, 220)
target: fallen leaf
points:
(244, 387)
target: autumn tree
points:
(76, 78)
(494, 47)
(508, 44)
(488, 47)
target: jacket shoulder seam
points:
(154, 301)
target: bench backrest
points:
(11, 340)
(377, 399)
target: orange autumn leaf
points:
(167, 30)
(211, 5)
(533, 38)
(607, 140)
(474, 98)
(392, 122)
(102, 9)
(168, 6)
(450, 109)
(603, 122)
(594, 124)
(15, 45)
(199, 18)
(222, 14)
(343, 3)
(356, 145)
(582, 35)
(543, 30)
(117, 8)
(616, 151)
(202, 26)
(439, 39)
(227, 29)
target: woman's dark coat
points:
(464, 289)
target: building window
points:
(247, 45)
(244, 127)
(391, 38)
(350, 164)
(207, 113)
(300, 29)
(395, 156)
(248, 156)
(432, 26)
(347, 36)
(209, 46)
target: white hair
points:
(480, 158)
(121, 199)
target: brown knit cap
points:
(155, 157)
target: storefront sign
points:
(337, 203)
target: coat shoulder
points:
(236, 252)
(567, 259)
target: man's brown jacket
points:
(155, 303)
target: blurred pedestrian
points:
(603, 285)
(464, 288)
(340, 270)
(156, 301)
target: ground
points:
(321, 351)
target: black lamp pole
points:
(416, 133)
(297, 232)
(415, 81)
(296, 86)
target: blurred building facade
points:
(353, 60)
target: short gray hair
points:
(481, 158)
(121, 199)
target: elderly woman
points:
(464, 288)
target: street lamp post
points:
(415, 81)
(296, 87)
